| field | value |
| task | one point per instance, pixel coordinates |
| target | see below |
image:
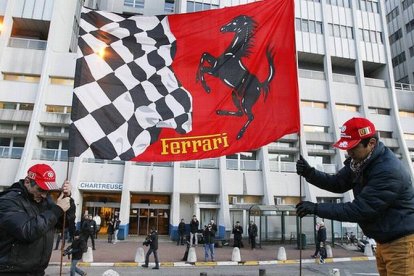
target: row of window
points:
(395, 36)
(400, 58)
(36, 79)
(339, 3)
(193, 6)
(310, 26)
(392, 14)
(407, 3)
(341, 31)
(368, 6)
(30, 106)
(409, 26)
(371, 36)
(351, 107)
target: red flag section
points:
(225, 58)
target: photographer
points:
(152, 241)
(209, 233)
(76, 249)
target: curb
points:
(224, 263)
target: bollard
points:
(88, 256)
(262, 272)
(328, 251)
(281, 254)
(140, 255)
(235, 256)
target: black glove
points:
(304, 208)
(303, 168)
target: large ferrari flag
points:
(184, 86)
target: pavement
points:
(170, 255)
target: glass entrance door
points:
(142, 219)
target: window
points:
(395, 36)
(409, 136)
(8, 105)
(208, 198)
(347, 107)
(282, 157)
(169, 6)
(400, 58)
(406, 114)
(385, 134)
(193, 6)
(61, 81)
(341, 31)
(407, 3)
(50, 144)
(313, 104)
(5, 142)
(309, 128)
(21, 78)
(310, 26)
(52, 129)
(392, 14)
(19, 142)
(56, 109)
(380, 111)
(134, 3)
(26, 106)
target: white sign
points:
(100, 186)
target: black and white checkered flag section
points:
(125, 88)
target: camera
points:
(67, 251)
(147, 241)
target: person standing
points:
(252, 231)
(98, 221)
(28, 218)
(111, 230)
(181, 232)
(88, 230)
(383, 202)
(213, 225)
(117, 222)
(152, 241)
(78, 247)
(194, 224)
(209, 233)
(320, 239)
(238, 232)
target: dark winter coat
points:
(181, 228)
(78, 248)
(384, 196)
(194, 226)
(208, 234)
(26, 230)
(321, 234)
(153, 240)
(238, 231)
(252, 230)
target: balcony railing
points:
(344, 78)
(276, 166)
(27, 43)
(243, 165)
(375, 82)
(50, 154)
(11, 152)
(404, 86)
(311, 74)
(212, 163)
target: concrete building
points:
(400, 20)
(345, 70)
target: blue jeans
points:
(209, 247)
(74, 268)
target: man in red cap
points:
(383, 202)
(28, 216)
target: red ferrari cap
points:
(44, 176)
(353, 131)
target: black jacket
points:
(209, 234)
(78, 248)
(194, 226)
(321, 235)
(252, 230)
(153, 239)
(384, 196)
(26, 230)
(181, 228)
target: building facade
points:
(345, 70)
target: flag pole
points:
(62, 248)
(300, 219)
